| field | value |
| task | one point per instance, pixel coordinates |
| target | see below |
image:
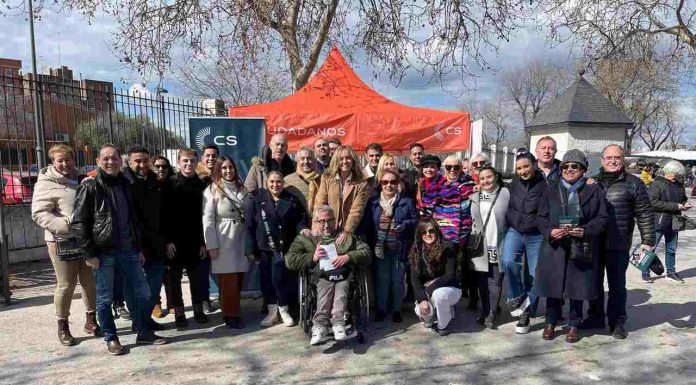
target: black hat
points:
(431, 158)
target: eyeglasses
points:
(325, 221)
(430, 232)
(478, 164)
(389, 182)
(612, 158)
(450, 167)
(571, 166)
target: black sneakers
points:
(150, 338)
(180, 318)
(618, 332)
(522, 326)
(674, 277)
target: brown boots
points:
(64, 335)
(91, 326)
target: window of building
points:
(8, 72)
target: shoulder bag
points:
(474, 246)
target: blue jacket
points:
(405, 217)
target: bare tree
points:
(431, 37)
(663, 127)
(531, 85)
(501, 128)
(609, 28)
(224, 79)
(641, 86)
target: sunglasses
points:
(430, 232)
(450, 167)
(477, 164)
(571, 166)
(389, 182)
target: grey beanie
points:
(575, 156)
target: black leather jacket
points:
(665, 197)
(147, 203)
(627, 203)
(93, 216)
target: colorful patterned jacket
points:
(448, 203)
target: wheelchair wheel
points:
(362, 308)
(306, 303)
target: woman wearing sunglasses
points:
(436, 288)
(488, 207)
(388, 224)
(572, 217)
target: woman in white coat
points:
(224, 231)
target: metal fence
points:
(83, 115)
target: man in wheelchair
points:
(333, 281)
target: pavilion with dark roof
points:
(580, 118)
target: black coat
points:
(286, 218)
(92, 224)
(665, 197)
(627, 203)
(524, 203)
(409, 178)
(147, 203)
(183, 216)
(557, 275)
(444, 273)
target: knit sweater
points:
(447, 203)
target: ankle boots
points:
(91, 326)
(64, 335)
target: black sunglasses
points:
(450, 167)
(391, 182)
(571, 166)
(430, 231)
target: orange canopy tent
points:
(336, 103)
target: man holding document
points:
(332, 264)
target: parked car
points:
(17, 187)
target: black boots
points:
(64, 335)
(198, 313)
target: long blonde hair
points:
(380, 166)
(334, 166)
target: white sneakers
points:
(319, 335)
(272, 317)
(339, 332)
(285, 316)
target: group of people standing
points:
(428, 233)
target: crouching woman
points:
(332, 283)
(433, 277)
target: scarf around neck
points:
(312, 180)
(387, 204)
(573, 196)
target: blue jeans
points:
(671, 238)
(206, 271)
(154, 273)
(128, 265)
(389, 281)
(519, 281)
(278, 284)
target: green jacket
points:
(301, 253)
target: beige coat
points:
(53, 202)
(223, 230)
(348, 211)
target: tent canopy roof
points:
(335, 88)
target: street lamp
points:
(36, 95)
(160, 91)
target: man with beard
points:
(412, 174)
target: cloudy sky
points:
(65, 39)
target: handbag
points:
(642, 259)
(682, 222)
(474, 246)
(580, 250)
(656, 266)
(68, 248)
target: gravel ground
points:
(660, 349)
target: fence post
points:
(494, 153)
(505, 159)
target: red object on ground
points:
(336, 103)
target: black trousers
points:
(554, 309)
(278, 284)
(490, 288)
(615, 263)
(197, 284)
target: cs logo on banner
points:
(237, 138)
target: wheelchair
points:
(357, 315)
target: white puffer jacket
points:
(53, 202)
